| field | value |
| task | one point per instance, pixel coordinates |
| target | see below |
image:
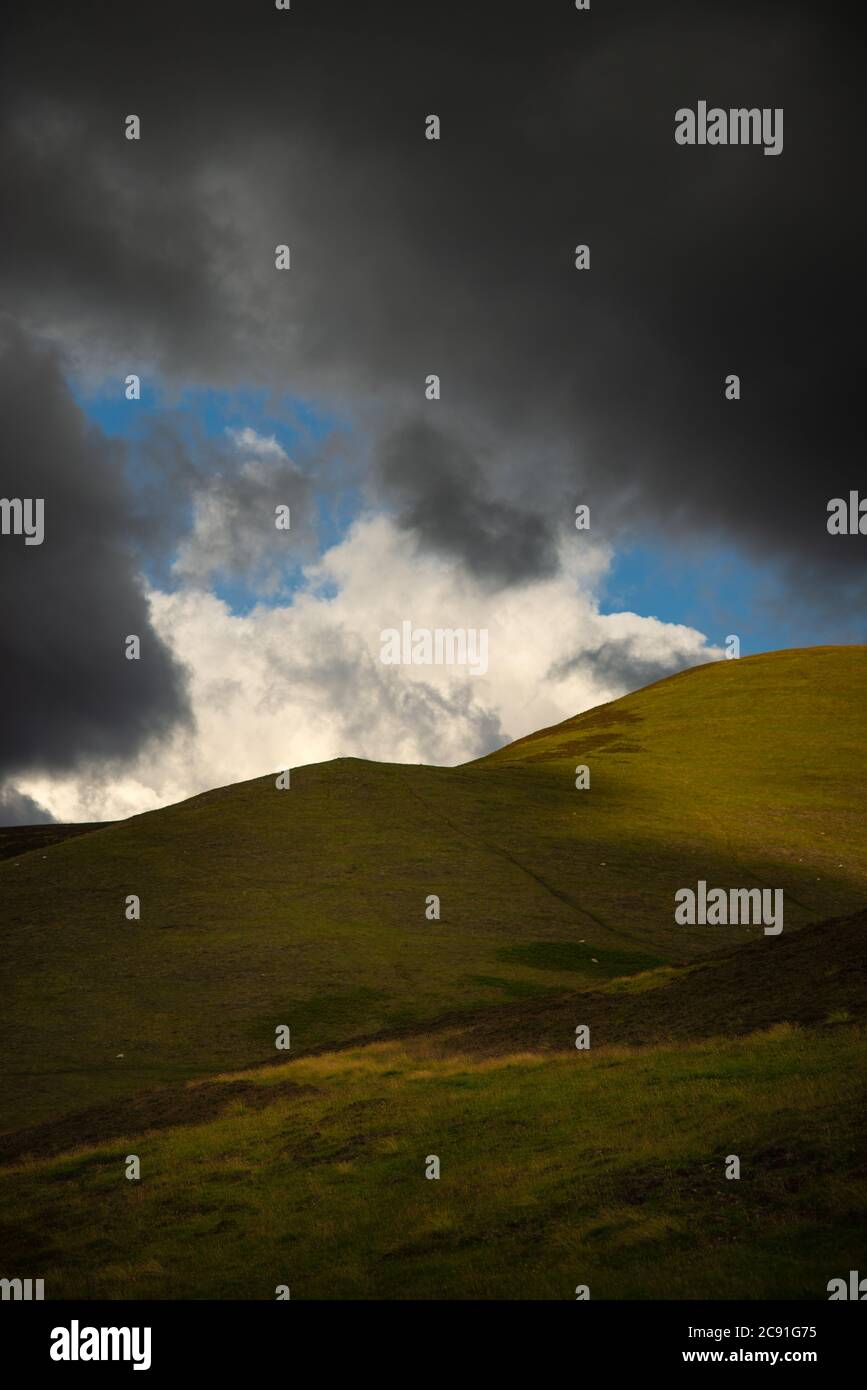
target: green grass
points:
(604, 1168)
(571, 955)
(307, 907)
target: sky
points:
(307, 387)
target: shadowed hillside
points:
(815, 978)
(22, 839)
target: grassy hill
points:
(306, 907)
(456, 1037)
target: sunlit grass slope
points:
(307, 907)
(605, 1169)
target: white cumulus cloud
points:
(303, 681)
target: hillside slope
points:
(814, 978)
(307, 907)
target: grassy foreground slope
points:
(307, 907)
(600, 1168)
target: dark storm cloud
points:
(441, 490)
(18, 809)
(67, 690)
(411, 257)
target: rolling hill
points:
(456, 1036)
(306, 907)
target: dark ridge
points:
(21, 839)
